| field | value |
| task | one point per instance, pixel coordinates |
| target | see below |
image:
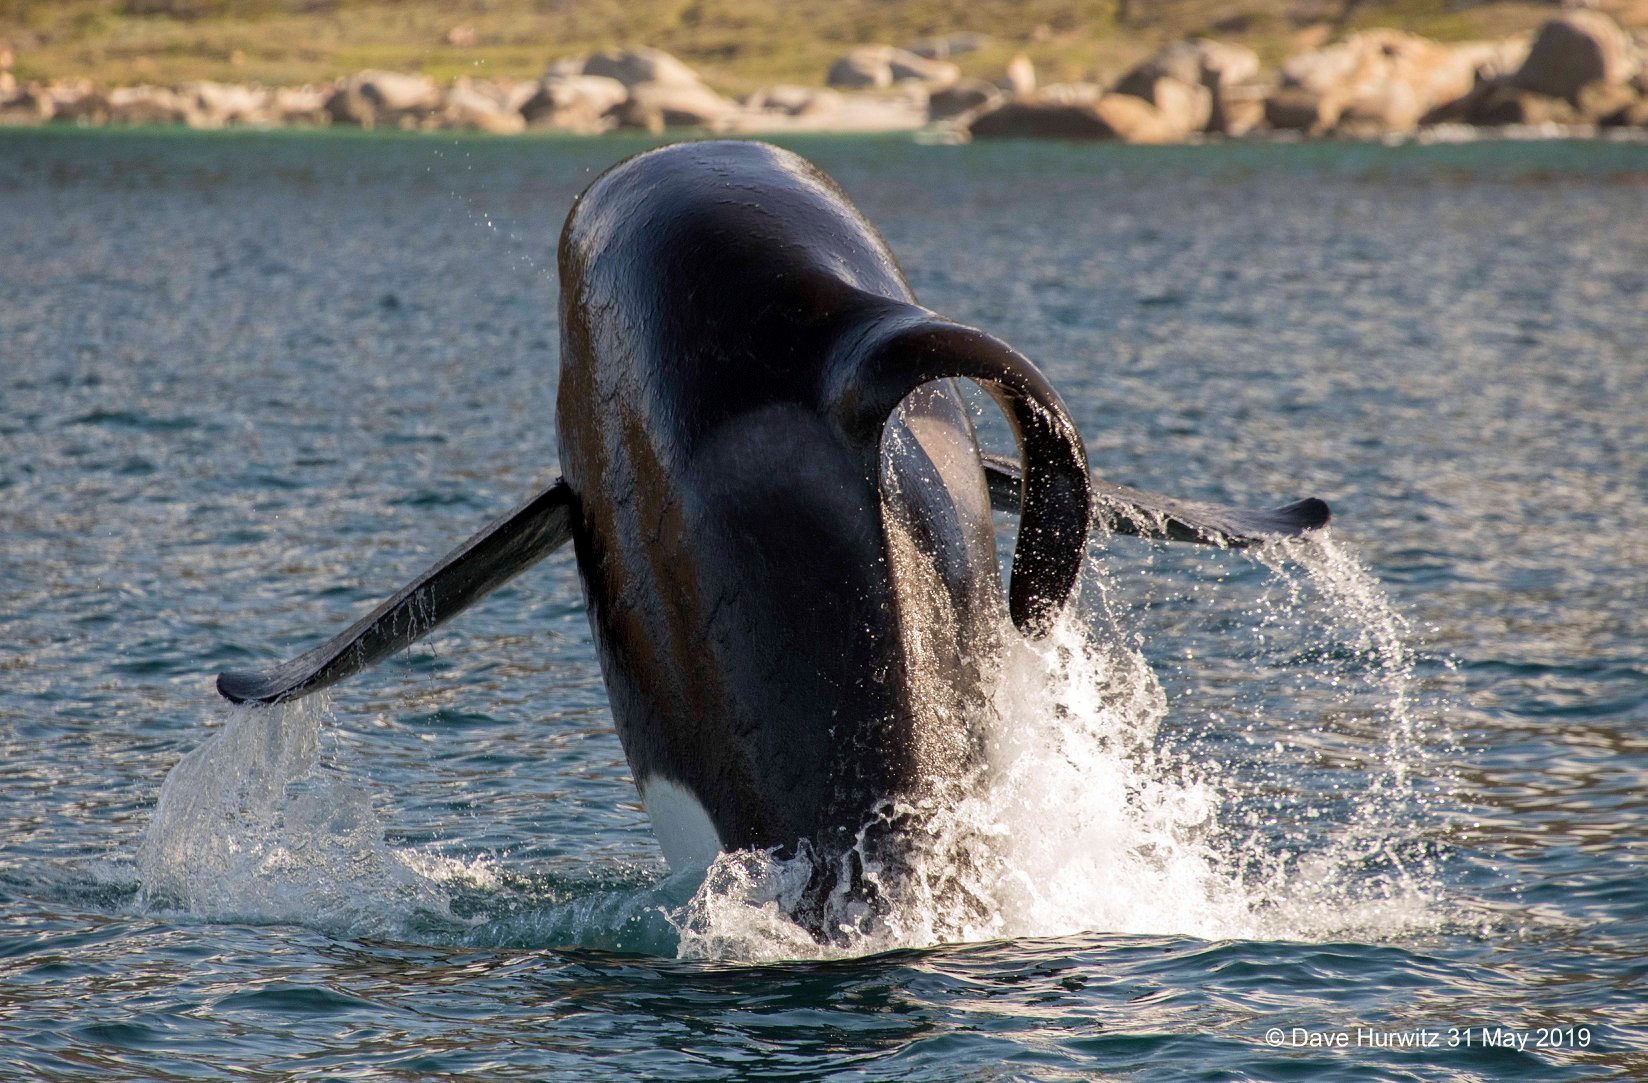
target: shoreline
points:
(1442, 135)
(1580, 75)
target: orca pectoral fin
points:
(508, 546)
(1126, 510)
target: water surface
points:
(251, 383)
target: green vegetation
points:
(736, 44)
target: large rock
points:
(1574, 49)
(794, 101)
(1295, 109)
(656, 106)
(1633, 115)
(966, 96)
(469, 108)
(1218, 67)
(511, 94)
(1020, 76)
(372, 98)
(30, 103)
(632, 67)
(1184, 107)
(148, 105)
(1210, 63)
(1609, 105)
(1375, 82)
(218, 105)
(873, 67)
(864, 68)
(933, 74)
(574, 103)
(815, 109)
(76, 101)
(1501, 104)
(303, 105)
(1238, 110)
(1122, 117)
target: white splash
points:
(1082, 822)
(252, 825)
(1084, 818)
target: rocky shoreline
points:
(1579, 72)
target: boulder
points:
(511, 94)
(574, 103)
(1610, 105)
(468, 108)
(933, 74)
(904, 109)
(1184, 107)
(1020, 76)
(894, 110)
(298, 105)
(1574, 49)
(873, 67)
(1219, 68)
(794, 101)
(1296, 109)
(864, 68)
(1375, 82)
(1500, 59)
(1238, 110)
(76, 101)
(1501, 104)
(371, 98)
(566, 66)
(148, 105)
(656, 106)
(218, 105)
(632, 67)
(28, 104)
(1196, 61)
(1634, 115)
(966, 96)
(1122, 117)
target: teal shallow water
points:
(249, 383)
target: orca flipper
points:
(1126, 510)
(508, 546)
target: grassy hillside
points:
(737, 44)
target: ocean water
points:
(1367, 807)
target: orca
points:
(780, 512)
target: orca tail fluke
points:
(906, 346)
(508, 546)
(1123, 509)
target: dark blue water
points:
(1383, 790)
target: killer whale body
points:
(780, 513)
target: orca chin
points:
(780, 512)
(681, 825)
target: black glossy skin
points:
(734, 336)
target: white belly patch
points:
(681, 825)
